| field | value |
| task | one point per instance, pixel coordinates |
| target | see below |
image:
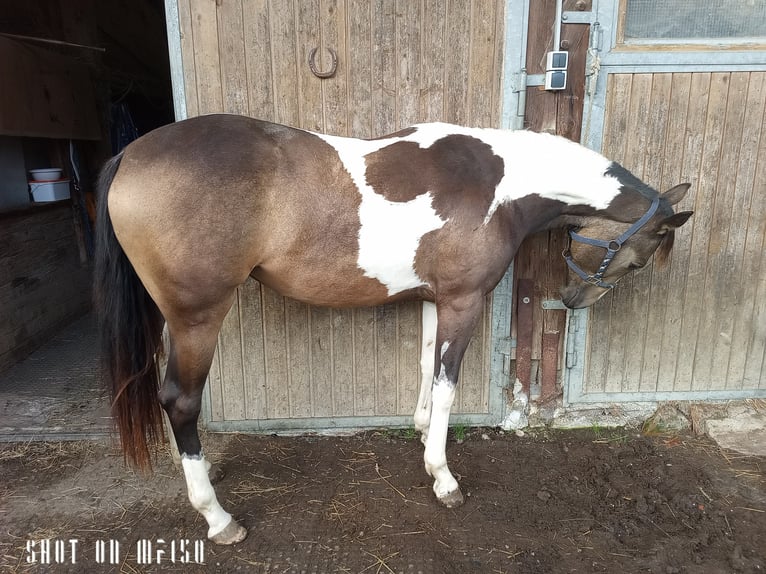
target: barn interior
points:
(80, 80)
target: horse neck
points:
(553, 182)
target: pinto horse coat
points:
(435, 212)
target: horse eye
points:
(634, 266)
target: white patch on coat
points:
(435, 457)
(552, 167)
(534, 163)
(201, 494)
(422, 415)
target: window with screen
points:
(679, 21)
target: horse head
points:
(609, 244)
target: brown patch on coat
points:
(461, 173)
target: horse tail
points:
(130, 327)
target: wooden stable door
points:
(280, 363)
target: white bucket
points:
(49, 190)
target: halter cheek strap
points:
(612, 247)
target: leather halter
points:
(612, 247)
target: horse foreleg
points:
(191, 353)
(423, 409)
(456, 321)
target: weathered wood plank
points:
(408, 353)
(257, 43)
(232, 58)
(335, 90)
(343, 379)
(672, 174)
(408, 55)
(207, 64)
(717, 312)
(457, 62)
(187, 57)
(275, 347)
(298, 358)
(230, 354)
(365, 367)
(748, 228)
(359, 81)
(308, 31)
(384, 72)
(657, 122)
(615, 125)
(695, 281)
(386, 360)
(482, 99)
(253, 360)
(284, 62)
(433, 61)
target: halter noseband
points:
(612, 247)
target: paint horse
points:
(435, 212)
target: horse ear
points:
(677, 193)
(675, 220)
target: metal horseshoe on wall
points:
(333, 68)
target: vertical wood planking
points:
(284, 60)
(458, 62)
(655, 312)
(433, 61)
(714, 341)
(231, 42)
(365, 367)
(335, 90)
(344, 355)
(253, 360)
(257, 39)
(359, 58)
(755, 375)
(703, 319)
(408, 356)
(230, 354)
(298, 358)
(275, 346)
(626, 345)
(695, 280)
(408, 62)
(748, 227)
(216, 391)
(187, 56)
(308, 36)
(666, 333)
(386, 359)
(384, 71)
(204, 25)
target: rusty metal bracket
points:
(333, 68)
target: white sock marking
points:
(435, 455)
(423, 409)
(201, 494)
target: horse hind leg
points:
(422, 415)
(456, 321)
(192, 345)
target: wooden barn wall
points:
(698, 324)
(399, 62)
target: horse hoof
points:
(232, 534)
(215, 473)
(452, 499)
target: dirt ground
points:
(575, 501)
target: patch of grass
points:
(408, 433)
(459, 432)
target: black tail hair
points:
(130, 327)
